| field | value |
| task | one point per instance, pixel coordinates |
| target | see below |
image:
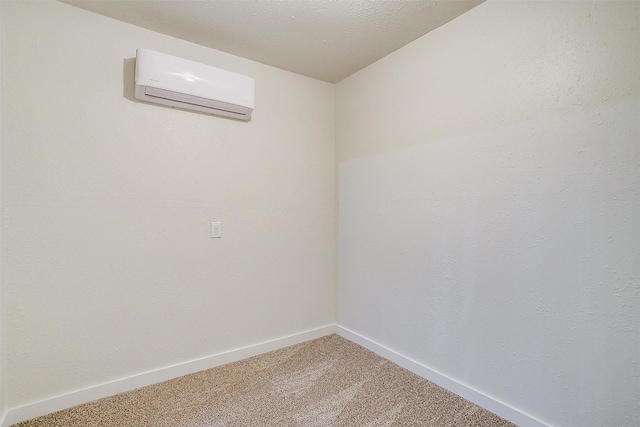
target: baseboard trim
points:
(499, 408)
(99, 391)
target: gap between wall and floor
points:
(89, 394)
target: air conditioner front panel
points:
(177, 82)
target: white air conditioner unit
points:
(168, 80)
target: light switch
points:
(216, 229)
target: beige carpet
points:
(326, 382)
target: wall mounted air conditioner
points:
(168, 80)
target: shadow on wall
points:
(128, 78)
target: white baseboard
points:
(43, 407)
(499, 408)
(99, 391)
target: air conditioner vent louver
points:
(195, 100)
(176, 82)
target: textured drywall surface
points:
(110, 268)
(3, 346)
(324, 39)
(490, 210)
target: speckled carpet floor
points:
(326, 382)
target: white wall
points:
(3, 347)
(490, 210)
(110, 269)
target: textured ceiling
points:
(323, 39)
